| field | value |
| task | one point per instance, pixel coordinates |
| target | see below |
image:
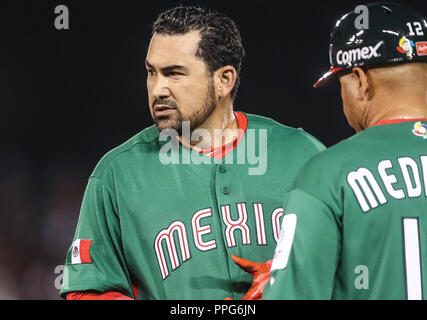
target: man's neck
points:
(396, 111)
(219, 129)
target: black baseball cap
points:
(394, 33)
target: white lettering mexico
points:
(172, 247)
(345, 57)
(167, 236)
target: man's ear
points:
(225, 80)
(363, 81)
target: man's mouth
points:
(161, 110)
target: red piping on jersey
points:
(221, 151)
(391, 121)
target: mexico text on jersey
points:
(200, 226)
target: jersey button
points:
(221, 169)
(225, 190)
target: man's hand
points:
(261, 273)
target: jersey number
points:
(411, 245)
(418, 28)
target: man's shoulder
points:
(368, 147)
(283, 133)
(142, 142)
(259, 121)
(338, 157)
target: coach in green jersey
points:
(163, 213)
(355, 223)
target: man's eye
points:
(151, 72)
(174, 74)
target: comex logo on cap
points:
(348, 57)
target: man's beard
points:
(175, 121)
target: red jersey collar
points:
(392, 121)
(221, 151)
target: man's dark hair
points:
(220, 43)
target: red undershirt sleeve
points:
(110, 295)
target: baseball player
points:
(163, 212)
(355, 223)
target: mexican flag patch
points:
(80, 252)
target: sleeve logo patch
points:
(420, 130)
(80, 252)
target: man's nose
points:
(161, 88)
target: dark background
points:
(69, 96)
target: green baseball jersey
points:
(165, 219)
(355, 222)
